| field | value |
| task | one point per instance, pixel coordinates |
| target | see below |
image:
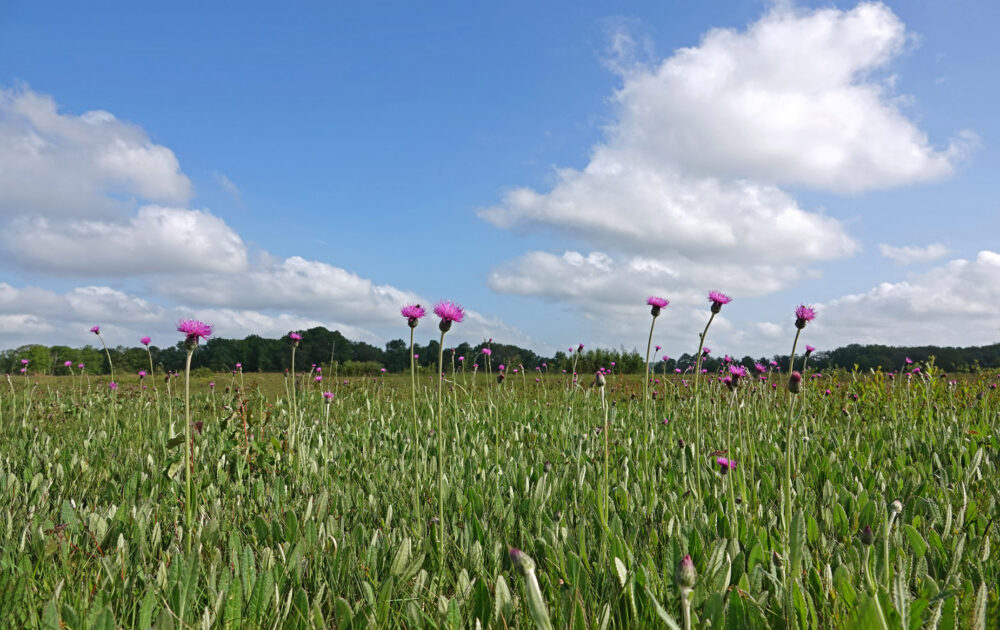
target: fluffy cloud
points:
(684, 192)
(908, 255)
(793, 99)
(622, 202)
(57, 164)
(156, 239)
(953, 304)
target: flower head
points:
(145, 341)
(96, 330)
(412, 313)
(194, 331)
(449, 312)
(706, 350)
(726, 464)
(487, 351)
(794, 380)
(295, 337)
(718, 298)
(686, 574)
(328, 396)
(68, 364)
(142, 373)
(809, 350)
(656, 303)
(112, 385)
(804, 314)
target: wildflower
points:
(239, 366)
(194, 331)
(211, 384)
(809, 350)
(657, 349)
(718, 298)
(68, 364)
(142, 373)
(656, 304)
(24, 362)
(867, 535)
(80, 366)
(295, 337)
(96, 330)
(599, 380)
(804, 314)
(686, 574)
(412, 313)
(706, 351)
(328, 396)
(145, 341)
(487, 351)
(319, 379)
(448, 312)
(726, 464)
(793, 382)
(908, 360)
(112, 385)
(579, 348)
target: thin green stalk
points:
(441, 522)
(188, 461)
(697, 406)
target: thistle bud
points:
(867, 535)
(794, 380)
(600, 380)
(686, 573)
(896, 507)
(445, 325)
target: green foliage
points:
(340, 532)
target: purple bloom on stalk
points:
(112, 385)
(908, 360)
(579, 348)
(145, 341)
(737, 371)
(718, 298)
(318, 379)
(80, 366)
(657, 349)
(412, 313)
(328, 396)
(295, 337)
(706, 350)
(809, 349)
(24, 362)
(142, 373)
(448, 312)
(487, 351)
(666, 358)
(726, 464)
(804, 314)
(68, 364)
(96, 330)
(656, 303)
(194, 331)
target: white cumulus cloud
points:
(910, 254)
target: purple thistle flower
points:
(112, 385)
(145, 341)
(666, 358)
(718, 298)
(194, 331)
(657, 349)
(96, 330)
(804, 314)
(328, 396)
(656, 303)
(142, 373)
(908, 360)
(726, 464)
(412, 313)
(809, 350)
(239, 366)
(487, 351)
(448, 312)
(80, 366)
(295, 337)
(68, 364)
(706, 351)
(24, 362)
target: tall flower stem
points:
(697, 405)
(440, 458)
(645, 390)
(413, 389)
(152, 379)
(188, 460)
(788, 449)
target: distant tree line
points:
(330, 349)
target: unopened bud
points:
(867, 535)
(896, 506)
(600, 380)
(686, 573)
(793, 382)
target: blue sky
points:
(274, 168)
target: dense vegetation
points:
(324, 512)
(325, 348)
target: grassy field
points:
(317, 514)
